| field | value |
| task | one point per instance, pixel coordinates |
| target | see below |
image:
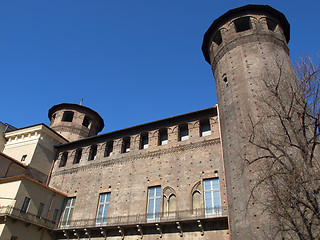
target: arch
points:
(169, 202)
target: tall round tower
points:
(247, 48)
(75, 121)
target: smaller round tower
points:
(75, 122)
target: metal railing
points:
(185, 215)
(26, 217)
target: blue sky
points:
(132, 61)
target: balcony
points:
(144, 219)
(16, 214)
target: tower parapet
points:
(74, 121)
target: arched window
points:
(169, 202)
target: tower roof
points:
(79, 108)
(250, 8)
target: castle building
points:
(177, 178)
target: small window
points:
(93, 152)
(126, 145)
(144, 141)
(63, 160)
(55, 215)
(205, 129)
(242, 24)
(25, 204)
(86, 121)
(163, 137)
(67, 116)
(183, 132)
(23, 158)
(225, 79)
(40, 210)
(217, 38)
(109, 149)
(271, 24)
(77, 156)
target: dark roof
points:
(76, 107)
(142, 127)
(251, 8)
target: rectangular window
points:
(126, 145)
(154, 203)
(86, 121)
(68, 211)
(205, 129)
(109, 149)
(242, 24)
(212, 196)
(93, 152)
(23, 158)
(183, 133)
(55, 215)
(144, 141)
(25, 204)
(77, 156)
(67, 116)
(40, 210)
(163, 137)
(103, 207)
(63, 160)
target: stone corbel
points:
(77, 233)
(179, 227)
(88, 233)
(66, 234)
(104, 232)
(158, 226)
(139, 229)
(201, 227)
(121, 231)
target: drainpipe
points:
(48, 214)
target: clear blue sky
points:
(132, 61)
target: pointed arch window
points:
(169, 202)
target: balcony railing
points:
(162, 217)
(26, 217)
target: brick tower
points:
(246, 48)
(75, 121)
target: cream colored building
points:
(28, 207)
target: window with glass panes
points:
(68, 211)
(212, 196)
(154, 202)
(103, 207)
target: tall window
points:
(212, 196)
(68, 211)
(55, 215)
(205, 128)
(144, 142)
(25, 204)
(103, 207)
(77, 156)
(169, 202)
(126, 145)
(163, 137)
(109, 149)
(23, 158)
(183, 132)
(93, 152)
(63, 160)
(154, 203)
(40, 210)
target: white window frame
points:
(103, 208)
(212, 199)
(154, 203)
(68, 212)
